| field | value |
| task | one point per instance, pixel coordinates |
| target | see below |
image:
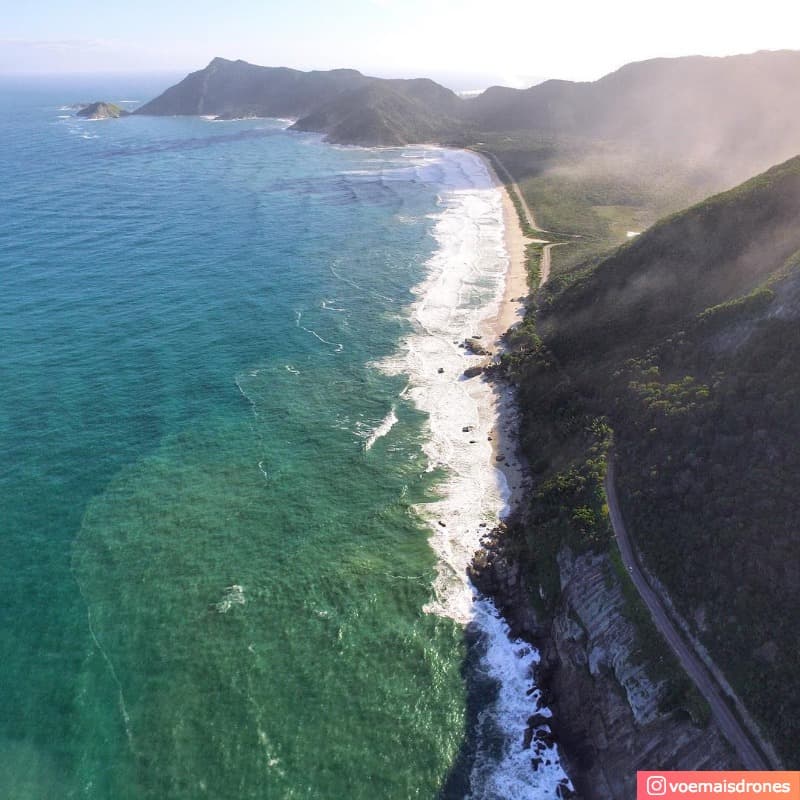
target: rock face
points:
(499, 577)
(606, 715)
(102, 110)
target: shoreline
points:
(477, 266)
(506, 454)
(473, 285)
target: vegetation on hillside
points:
(683, 348)
(591, 194)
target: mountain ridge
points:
(733, 112)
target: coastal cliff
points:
(607, 716)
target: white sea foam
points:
(463, 287)
(338, 346)
(234, 596)
(511, 665)
(387, 423)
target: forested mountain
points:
(346, 105)
(679, 356)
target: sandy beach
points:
(516, 284)
(476, 285)
(505, 433)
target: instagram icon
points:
(656, 786)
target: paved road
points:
(730, 726)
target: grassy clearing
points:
(588, 193)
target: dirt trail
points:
(513, 189)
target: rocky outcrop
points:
(501, 578)
(606, 715)
(475, 346)
(102, 110)
(475, 370)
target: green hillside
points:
(718, 249)
(683, 350)
(382, 113)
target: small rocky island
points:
(102, 110)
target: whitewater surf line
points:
(462, 290)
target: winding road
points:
(733, 730)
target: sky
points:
(455, 41)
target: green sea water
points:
(213, 567)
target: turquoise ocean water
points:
(211, 586)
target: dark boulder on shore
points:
(474, 346)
